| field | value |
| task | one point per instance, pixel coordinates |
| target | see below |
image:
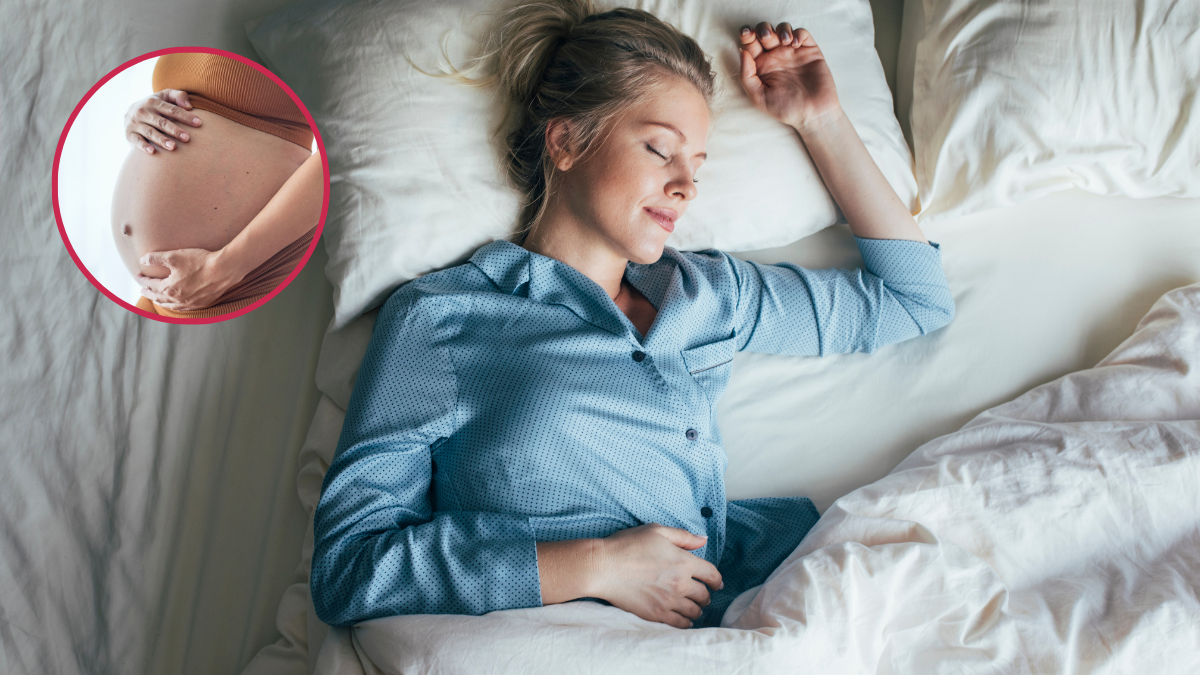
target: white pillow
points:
(416, 182)
(1013, 99)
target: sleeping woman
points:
(224, 214)
(538, 425)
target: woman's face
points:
(639, 180)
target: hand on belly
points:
(193, 201)
(196, 278)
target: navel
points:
(127, 230)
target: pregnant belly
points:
(202, 194)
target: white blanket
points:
(1057, 533)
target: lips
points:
(664, 217)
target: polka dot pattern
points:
(519, 379)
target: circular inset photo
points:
(190, 185)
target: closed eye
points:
(651, 149)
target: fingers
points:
(151, 284)
(158, 259)
(690, 607)
(803, 38)
(699, 594)
(164, 115)
(168, 303)
(676, 619)
(749, 78)
(767, 36)
(784, 31)
(707, 573)
(688, 611)
(164, 292)
(148, 133)
(158, 291)
(749, 42)
(154, 120)
(764, 38)
(682, 538)
(140, 143)
(156, 298)
(175, 112)
(177, 96)
(682, 615)
(689, 616)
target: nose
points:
(681, 184)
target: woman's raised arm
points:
(787, 77)
(787, 309)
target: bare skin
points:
(597, 222)
(198, 206)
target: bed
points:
(150, 521)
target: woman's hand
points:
(785, 76)
(646, 570)
(151, 120)
(196, 280)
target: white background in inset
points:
(92, 156)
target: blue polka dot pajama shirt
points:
(508, 400)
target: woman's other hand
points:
(785, 75)
(647, 570)
(195, 278)
(152, 121)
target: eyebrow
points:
(672, 127)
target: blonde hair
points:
(561, 59)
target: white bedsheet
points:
(148, 515)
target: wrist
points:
(594, 555)
(230, 264)
(820, 124)
(570, 569)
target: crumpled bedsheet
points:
(1057, 533)
(148, 519)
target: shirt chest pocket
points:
(710, 365)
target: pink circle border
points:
(320, 148)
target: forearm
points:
(293, 210)
(870, 205)
(460, 562)
(568, 569)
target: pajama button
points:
(692, 434)
(706, 512)
(638, 356)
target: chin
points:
(648, 253)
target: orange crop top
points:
(235, 91)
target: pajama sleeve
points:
(787, 309)
(379, 548)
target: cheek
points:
(613, 190)
(620, 190)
